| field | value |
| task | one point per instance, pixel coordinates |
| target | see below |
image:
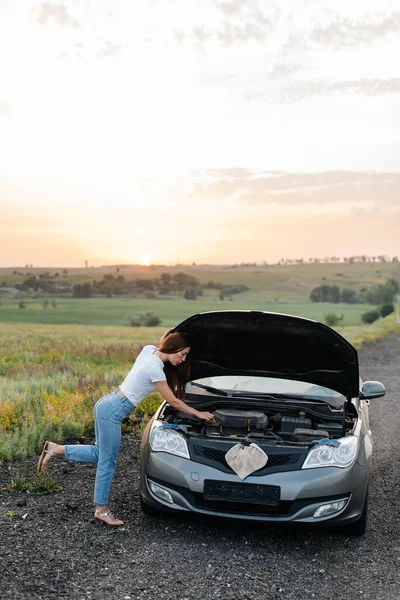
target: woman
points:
(165, 369)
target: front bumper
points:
(302, 491)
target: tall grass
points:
(51, 376)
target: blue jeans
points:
(109, 411)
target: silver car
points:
(288, 387)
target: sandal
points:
(107, 518)
(46, 451)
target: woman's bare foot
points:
(104, 514)
(50, 450)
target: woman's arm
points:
(166, 392)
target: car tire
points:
(359, 527)
(148, 510)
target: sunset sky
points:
(214, 131)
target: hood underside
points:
(271, 345)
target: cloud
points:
(229, 8)
(179, 36)
(242, 22)
(282, 69)
(231, 35)
(305, 89)
(247, 22)
(271, 187)
(231, 174)
(346, 32)
(201, 35)
(109, 49)
(49, 11)
(367, 87)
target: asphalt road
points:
(56, 551)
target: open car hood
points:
(271, 345)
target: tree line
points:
(378, 294)
(177, 284)
(359, 258)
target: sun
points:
(144, 259)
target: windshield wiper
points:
(210, 389)
(293, 397)
(261, 395)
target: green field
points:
(275, 288)
(116, 311)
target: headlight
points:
(168, 440)
(328, 456)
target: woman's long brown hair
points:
(177, 376)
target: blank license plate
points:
(242, 492)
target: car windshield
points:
(268, 385)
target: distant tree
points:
(165, 279)
(392, 284)
(316, 295)
(148, 319)
(386, 309)
(82, 290)
(184, 280)
(332, 319)
(45, 304)
(151, 320)
(190, 294)
(87, 290)
(370, 316)
(21, 305)
(77, 290)
(325, 293)
(383, 293)
(348, 296)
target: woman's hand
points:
(168, 395)
(207, 416)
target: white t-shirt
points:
(139, 382)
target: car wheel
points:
(149, 510)
(359, 527)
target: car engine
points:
(296, 427)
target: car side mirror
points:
(372, 389)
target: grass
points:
(41, 483)
(116, 311)
(360, 335)
(52, 375)
(275, 288)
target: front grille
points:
(240, 508)
(284, 507)
(276, 458)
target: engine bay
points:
(278, 425)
